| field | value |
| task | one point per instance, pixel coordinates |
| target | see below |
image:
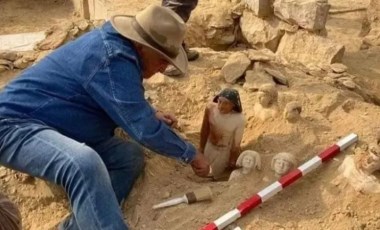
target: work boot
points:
(191, 56)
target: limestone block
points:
(21, 41)
(261, 8)
(8, 55)
(261, 33)
(255, 79)
(308, 14)
(213, 26)
(235, 67)
(263, 55)
(309, 49)
(338, 68)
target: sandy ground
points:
(317, 201)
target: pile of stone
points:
(294, 30)
(55, 37)
(10, 60)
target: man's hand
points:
(200, 165)
(168, 118)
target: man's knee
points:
(82, 165)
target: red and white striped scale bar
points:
(283, 182)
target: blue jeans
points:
(96, 179)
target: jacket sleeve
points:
(118, 89)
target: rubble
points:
(235, 67)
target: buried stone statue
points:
(247, 160)
(267, 102)
(358, 170)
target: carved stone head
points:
(249, 159)
(267, 95)
(282, 163)
(292, 112)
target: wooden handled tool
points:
(200, 194)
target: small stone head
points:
(370, 161)
(282, 163)
(292, 112)
(249, 159)
(267, 95)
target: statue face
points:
(372, 163)
(224, 105)
(264, 99)
(247, 162)
(281, 166)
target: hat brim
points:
(123, 25)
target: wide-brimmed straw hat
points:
(158, 28)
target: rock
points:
(373, 38)
(278, 76)
(306, 48)
(292, 111)
(21, 42)
(261, 33)
(82, 25)
(334, 75)
(261, 8)
(30, 56)
(56, 36)
(256, 79)
(53, 41)
(348, 105)
(21, 63)
(373, 13)
(338, 68)
(263, 55)
(7, 64)
(235, 67)
(212, 27)
(8, 55)
(308, 14)
(349, 84)
(371, 25)
(3, 68)
(74, 31)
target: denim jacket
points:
(88, 87)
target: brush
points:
(200, 194)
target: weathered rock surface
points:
(263, 55)
(308, 14)
(261, 33)
(371, 24)
(256, 79)
(214, 27)
(235, 67)
(306, 48)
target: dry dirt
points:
(330, 111)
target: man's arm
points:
(118, 89)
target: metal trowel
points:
(200, 194)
